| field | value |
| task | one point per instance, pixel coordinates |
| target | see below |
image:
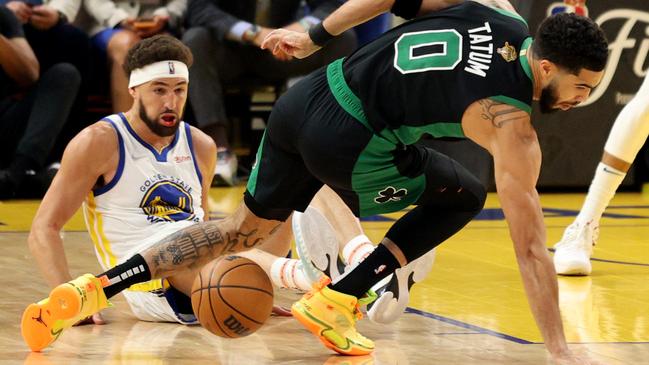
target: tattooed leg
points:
(187, 250)
(194, 246)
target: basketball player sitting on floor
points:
(344, 127)
(141, 176)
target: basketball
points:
(232, 297)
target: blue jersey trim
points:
(120, 165)
(188, 133)
(160, 157)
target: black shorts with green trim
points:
(311, 140)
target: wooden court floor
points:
(470, 310)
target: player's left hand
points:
(96, 318)
(259, 39)
(294, 44)
(44, 17)
(159, 23)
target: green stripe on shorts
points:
(252, 181)
(377, 181)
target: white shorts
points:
(154, 300)
(158, 306)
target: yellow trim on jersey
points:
(90, 209)
(148, 286)
(112, 260)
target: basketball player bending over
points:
(347, 128)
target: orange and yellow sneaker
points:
(68, 303)
(332, 316)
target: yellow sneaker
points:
(332, 316)
(68, 303)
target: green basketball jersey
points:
(420, 77)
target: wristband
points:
(406, 9)
(319, 35)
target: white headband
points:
(158, 70)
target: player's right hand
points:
(96, 318)
(295, 44)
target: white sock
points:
(357, 249)
(288, 273)
(601, 191)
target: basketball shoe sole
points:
(394, 291)
(316, 245)
(331, 316)
(43, 322)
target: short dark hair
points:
(572, 42)
(160, 47)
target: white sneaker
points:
(316, 244)
(225, 172)
(572, 253)
(394, 291)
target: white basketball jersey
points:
(152, 195)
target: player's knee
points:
(474, 193)
(64, 73)
(120, 43)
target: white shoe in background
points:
(225, 172)
(572, 253)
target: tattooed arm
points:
(194, 246)
(507, 133)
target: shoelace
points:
(575, 232)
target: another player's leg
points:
(284, 272)
(629, 133)
(448, 198)
(188, 249)
(318, 234)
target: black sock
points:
(379, 264)
(133, 271)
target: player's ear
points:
(548, 69)
(131, 90)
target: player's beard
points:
(155, 127)
(549, 98)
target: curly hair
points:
(572, 42)
(157, 48)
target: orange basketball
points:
(232, 297)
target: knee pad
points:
(460, 190)
(475, 192)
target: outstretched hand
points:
(96, 318)
(295, 44)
